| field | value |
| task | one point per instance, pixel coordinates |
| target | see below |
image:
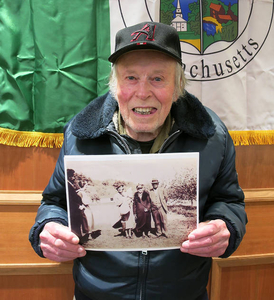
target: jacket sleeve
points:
(53, 205)
(226, 198)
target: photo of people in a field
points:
(132, 202)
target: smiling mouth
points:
(144, 111)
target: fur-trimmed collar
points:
(189, 114)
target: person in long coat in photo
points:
(86, 197)
(142, 211)
(79, 223)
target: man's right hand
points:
(59, 244)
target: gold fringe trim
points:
(253, 137)
(30, 138)
(50, 140)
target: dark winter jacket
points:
(167, 274)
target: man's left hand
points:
(210, 239)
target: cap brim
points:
(140, 46)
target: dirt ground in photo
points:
(179, 226)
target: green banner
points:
(53, 61)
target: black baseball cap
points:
(147, 35)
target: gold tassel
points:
(30, 138)
(252, 137)
(50, 140)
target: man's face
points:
(155, 185)
(145, 92)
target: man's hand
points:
(59, 244)
(210, 239)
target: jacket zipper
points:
(142, 275)
(169, 140)
(144, 254)
(120, 140)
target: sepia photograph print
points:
(132, 202)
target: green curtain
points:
(53, 62)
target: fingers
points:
(208, 228)
(58, 243)
(205, 248)
(210, 239)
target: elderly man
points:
(159, 208)
(147, 111)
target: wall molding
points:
(20, 197)
(34, 197)
(259, 195)
(36, 269)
